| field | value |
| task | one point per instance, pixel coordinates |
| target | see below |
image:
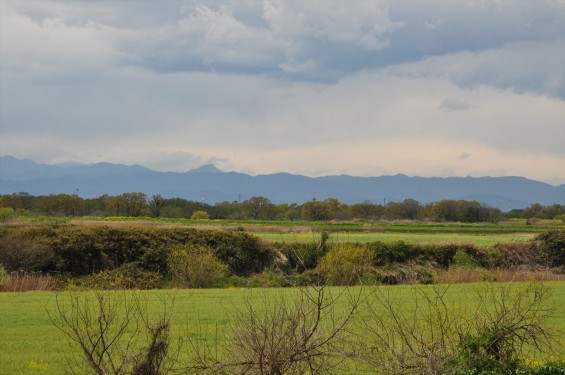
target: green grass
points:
(29, 344)
(508, 226)
(483, 235)
(480, 240)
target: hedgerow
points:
(81, 250)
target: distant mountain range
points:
(211, 185)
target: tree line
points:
(138, 204)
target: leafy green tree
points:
(135, 203)
(316, 211)
(258, 208)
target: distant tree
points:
(409, 209)
(135, 203)
(447, 210)
(554, 211)
(340, 211)
(21, 200)
(535, 210)
(258, 208)
(156, 204)
(366, 211)
(226, 210)
(59, 205)
(316, 211)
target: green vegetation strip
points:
(480, 240)
(30, 344)
(510, 226)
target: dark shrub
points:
(513, 254)
(83, 250)
(300, 256)
(388, 253)
(243, 254)
(18, 253)
(552, 247)
(401, 252)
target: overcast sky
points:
(318, 87)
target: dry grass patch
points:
(29, 281)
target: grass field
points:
(509, 226)
(481, 235)
(29, 344)
(480, 240)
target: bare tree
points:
(438, 335)
(114, 333)
(302, 332)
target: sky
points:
(319, 87)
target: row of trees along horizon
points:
(260, 208)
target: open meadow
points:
(243, 259)
(30, 344)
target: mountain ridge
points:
(212, 185)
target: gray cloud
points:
(453, 104)
(245, 84)
(311, 40)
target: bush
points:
(18, 253)
(6, 214)
(464, 260)
(388, 253)
(402, 252)
(81, 250)
(200, 215)
(125, 277)
(3, 276)
(514, 254)
(300, 256)
(196, 267)
(552, 247)
(434, 335)
(242, 253)
(346, 264)
(505, 321)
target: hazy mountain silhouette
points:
(211, 185)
